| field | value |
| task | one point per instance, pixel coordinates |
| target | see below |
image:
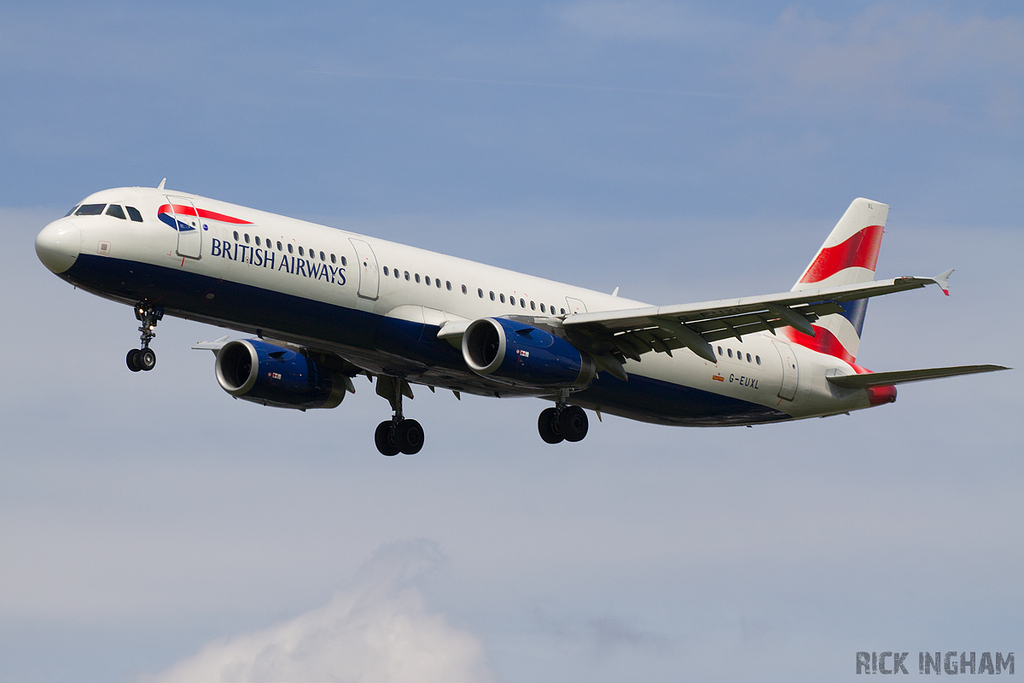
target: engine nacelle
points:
(524, 355)
(257, 371)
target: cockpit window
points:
(116, 211)
(90, 210)
(73, 208)
(134, 214)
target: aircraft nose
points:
(58, 244)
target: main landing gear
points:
(563, 423)
(145, 357)
(397, 435)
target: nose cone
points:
(58, 244)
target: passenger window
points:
(719, 350)
(90, 210)
(492, 296)
(533, 306)
(279, 246)
(748, 357)
(344, 261)
(417, 278)
(386, 273)
(291, 249)
(300, 248)
(246, 236)
(236, 235)
(502, 297)
(522, 303)
(758, 359)
(562, 310)
(134, 214)
(335, 260)
(427, 279)
(730, 353)
(407, 276)
(257, 240)
(116, 211)
(322, 257)
(542, 308)
(437, 283)
(480, 292)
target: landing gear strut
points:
(145, 358)
(397, 435)
(563, 423)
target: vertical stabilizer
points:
(847, 257)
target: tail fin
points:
(848, 256)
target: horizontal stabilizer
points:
(884, 379)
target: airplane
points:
(326, 305)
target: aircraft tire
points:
(573, 424)
(548, 426)
(146, 359)
(384, 438)
(132, 360)
(409, 437)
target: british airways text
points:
(276, 261)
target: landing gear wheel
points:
(573, 423)
(409, 437)
(397, 435)
(549, 427)
(146, 359)
(132, 360)
(384, 437)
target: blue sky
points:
(154, 529)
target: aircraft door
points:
(576, 306)
(790, 371)
(369, 276)
(190, 230)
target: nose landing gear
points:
(145, 358)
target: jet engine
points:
(257, 371)
(524, 355)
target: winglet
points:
(162, 183)
(943, 281)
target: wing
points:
(613, 336)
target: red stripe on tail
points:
(823, 341)
(860, 250)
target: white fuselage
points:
(379, 305)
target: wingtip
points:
(942, 280)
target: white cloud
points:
(380, 629)
(886, 58)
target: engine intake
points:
(257, 371)
(524, 355)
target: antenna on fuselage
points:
(162, 183)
